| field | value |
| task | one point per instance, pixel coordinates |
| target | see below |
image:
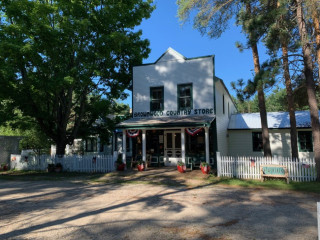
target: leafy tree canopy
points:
(62, 61)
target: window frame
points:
(93, 145)
(253, 142)
(151, 98)
(191, 96)
(310, 139)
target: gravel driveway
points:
(66, 210)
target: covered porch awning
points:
(167, 122)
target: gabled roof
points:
(276, 120)
(173, 55)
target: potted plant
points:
(4, 167)
(58, 167)
(181, 167)
(140, 165)
(119, 164)
(51, 167)
(205, 167)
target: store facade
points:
(175, 111)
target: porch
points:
(166, 141)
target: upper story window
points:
(156, 98)
(185, 100)
(257, 141)
(305, 141)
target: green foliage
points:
(180, 163)
(275, 102)
(212, 17)
(6, 130)
(204, 164)
(63, 61)
(36, 140)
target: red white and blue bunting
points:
(193, 131)
(133, 133)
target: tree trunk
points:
(308, 72)
(262, 106)
(61, 147)
(261, 98)
(290, 100)
(315, 19)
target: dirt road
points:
(65, 210)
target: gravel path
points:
(65, 210)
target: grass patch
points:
(134, 177)
(268, 184)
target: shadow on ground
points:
(175, 209)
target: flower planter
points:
(121, 167)
(181, 169)
(140, 167)
(5, 168)
(205, 170)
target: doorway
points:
(172, 147)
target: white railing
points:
(302, 170)
(72, 163)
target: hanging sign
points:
(193, 131)
(133, 133)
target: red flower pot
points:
(140, 167)
(121, 167)
(205, 170)
(5, 168)
(181, 169)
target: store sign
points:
(198, 111)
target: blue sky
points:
(164, 30)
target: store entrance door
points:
(172, 147)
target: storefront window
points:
(195, 145)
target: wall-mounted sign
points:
(169, 113)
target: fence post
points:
(318, 211)
(218, 164)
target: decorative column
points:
(207, 144)
(124, 146)
(144, 149)
(183, 145)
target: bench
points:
(274, 171)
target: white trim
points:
(183, 145)
(207, 144)
(124, 146)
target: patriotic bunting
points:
(133, 133)
(193, 131)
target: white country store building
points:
(180, 112)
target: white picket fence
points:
(72, 163)
(87, 163)
(26, 162)
(303, 170)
